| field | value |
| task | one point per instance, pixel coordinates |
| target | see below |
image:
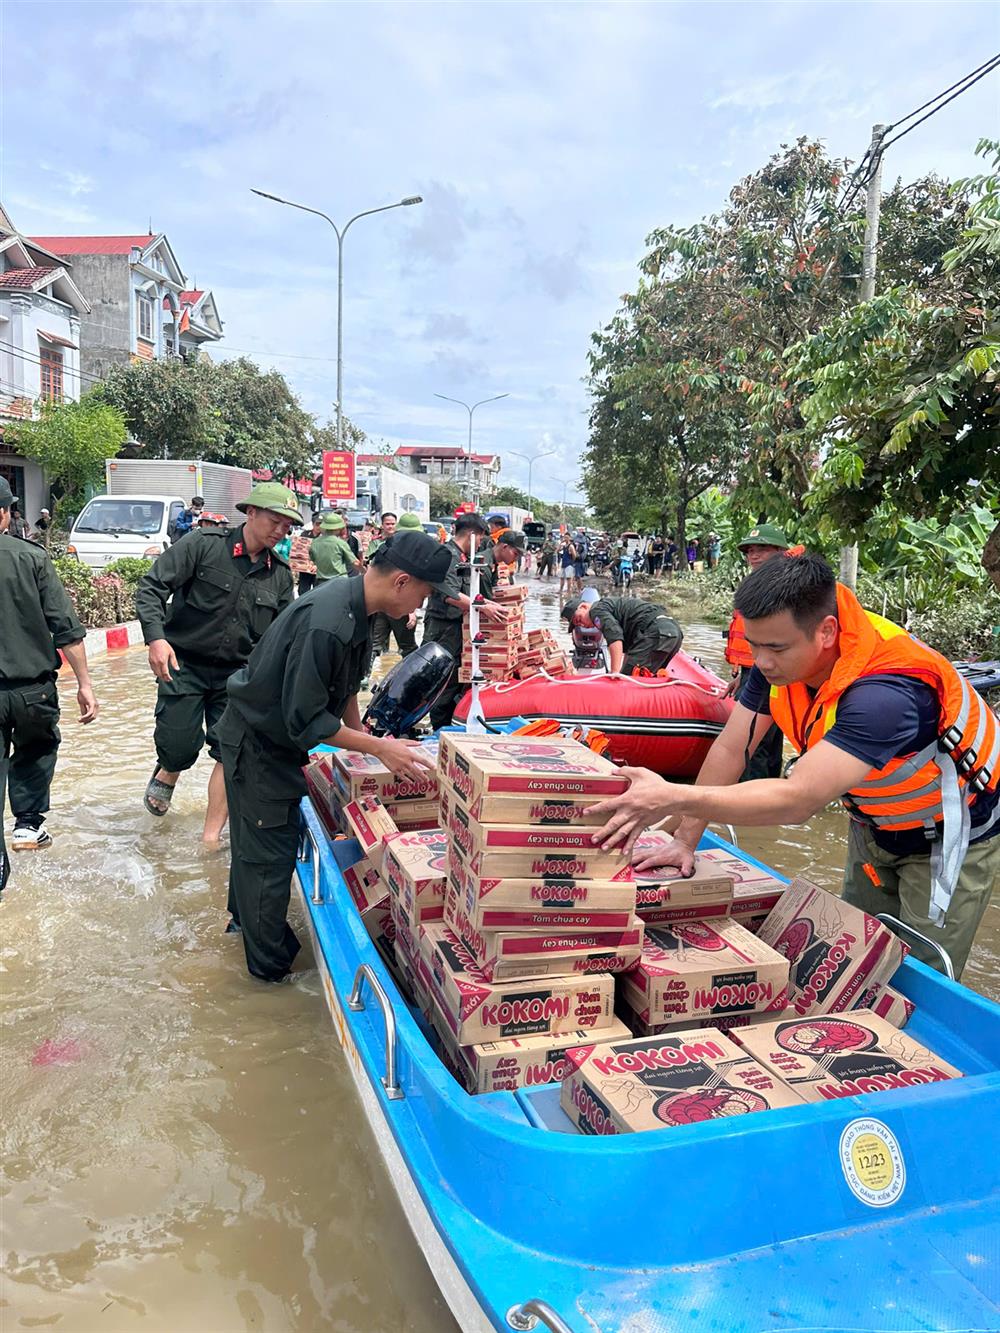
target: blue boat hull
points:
(739, 1226)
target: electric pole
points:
(869, 263)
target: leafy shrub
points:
(98, 600)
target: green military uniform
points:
(289, 697)
(443, 625)
(36, 617)
(648, 635)
(329, 552)
(222, 602)
(383, 625)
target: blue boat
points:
(775, 1221)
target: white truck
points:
(516, 517)
(379, 489)
(143, 499)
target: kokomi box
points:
(836, 951)
(531, 850)
(371, 824)
(478, 1010)
(631, 1007)
(358, 775)
(510, 592)
(555, 893)
(823, 1057)
(549, 767)
(524, 1062)
(683, 1078)
(544, 952)
(664, 894)
(364, 884)
(415, 868)
(528, 809)
(697, 969)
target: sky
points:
(547, 141)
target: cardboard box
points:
(532, 851)
(664, 895)
(370, 822)
(682, 1078)
(825, 1057)
(478, 1010)
(364, 884)
(836, 951)
(631, 1009)
(697, 969)
(543, 952)
(485, 915)
(358, 775)
(415, 868)
(538, 892)
(528, 809)
(888, 1004)
(521, 1062)
(526, 766)
(510, 592)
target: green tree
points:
(446, 496)
(900, 393)
(71, 441)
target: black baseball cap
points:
(570, 609)
(414, 553)
(511, 538)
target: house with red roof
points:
(142, 305)
(442, 462)
(41, 314)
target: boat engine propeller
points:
(409, 691)
(587, 651)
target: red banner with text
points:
(338, 475)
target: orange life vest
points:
(931, 788)
(738, 651)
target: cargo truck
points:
(379, 489)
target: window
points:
(52, 374)
(144, 316)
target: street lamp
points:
(470, 409)
(531, 462)
(565, 487)
(340, 232)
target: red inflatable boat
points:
(665, 723)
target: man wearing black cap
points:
(449, 605)
(638, 634)
(299, 689)
(36, 619)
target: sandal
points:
(157, 791)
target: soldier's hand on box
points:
(493, 611)
(646, 802)
(407, 759)
(672, 853)
(161, 659)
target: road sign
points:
(338, 476)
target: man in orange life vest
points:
(883, 723)
(761, 543)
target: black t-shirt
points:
(881, 718)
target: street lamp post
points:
(531, 463)
(565, 487)
(340, 233)
(470, 408)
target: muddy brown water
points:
(183, 1149)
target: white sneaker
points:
(30, 835)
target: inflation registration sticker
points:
(872, 1162)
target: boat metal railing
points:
(356, 1003)
(526, 1316)
(308, 847)
(894, 924)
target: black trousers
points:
(29, 739)
(306, 583)
(263, 791)
(448, 633)
(406, 638)
(188, 709)
(767, 760)
(655, 648)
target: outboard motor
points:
(409, 691)
(587, 651)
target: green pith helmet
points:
(765, 534)
(409, 523)
(273, 496)
(333, 523)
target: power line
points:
(980, 72)
(988, 68)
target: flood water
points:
(183, 1149)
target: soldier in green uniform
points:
(330, 552)
(638, 634)
(404, 627)
(226, 589)
(449, 605)
(299, 690)
(36, 618)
